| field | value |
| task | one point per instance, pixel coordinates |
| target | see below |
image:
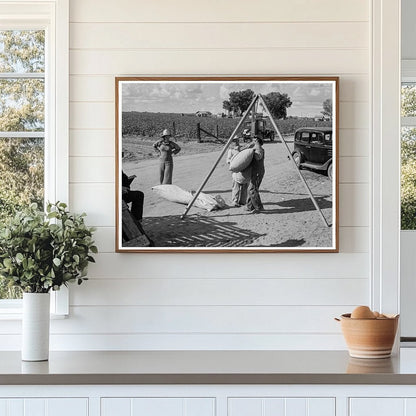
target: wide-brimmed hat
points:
(166, 132)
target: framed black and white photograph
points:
(235, 164)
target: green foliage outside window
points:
(21, 110)
(408, 160)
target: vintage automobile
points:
(258, 128)
(313, 149)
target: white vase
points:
(35, 326)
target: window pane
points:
(408, 178)
(22, 51)
(21, 173)
(22, 105)
(408, 99)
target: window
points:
(316, 138)
(33, 112)
(328, 138)
(305, 137)
(22, 124)
(408, 156)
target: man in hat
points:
(254, 203)
(166, 149)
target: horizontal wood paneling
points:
(354, 205)
(192, 341)
(92, 115)
(98, 200)
(99, 88)
(268, 301)
(220, 291)
(354, 239)
(96, 88)
(218, 11)
(200, 319)
(104, 238)
(12, 10)
(354, 142)
(222, 61)
(232, 265)
(92, 169)
(354, 170)
(194, 319)
(354, 115)
(96, 143)
(223, 35)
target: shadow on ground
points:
(289, 243)
(196, 231)
(297, 205)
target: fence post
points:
(198, 132)
(217, 132)
(174, 129)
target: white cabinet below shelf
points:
(159, 406)
(380, 406)
(270, 406)
(44, 407)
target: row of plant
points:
(185, 126)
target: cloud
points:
(189, 97)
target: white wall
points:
(408, 29)
(205, 301)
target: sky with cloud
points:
(189, 97)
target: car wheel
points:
(297, 157)
(329, 172)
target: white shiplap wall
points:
(249, 301)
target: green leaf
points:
(37, 255)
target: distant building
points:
(203, 114)
(322, 118)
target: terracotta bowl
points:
(369, 338)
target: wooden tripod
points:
(257, 99)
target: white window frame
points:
(385, 159)
(408, 237)
(53, 17)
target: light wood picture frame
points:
(177, 139)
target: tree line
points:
(277, 103)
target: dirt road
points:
(289, 220)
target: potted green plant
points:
(40, 252)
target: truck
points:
(257, 127)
